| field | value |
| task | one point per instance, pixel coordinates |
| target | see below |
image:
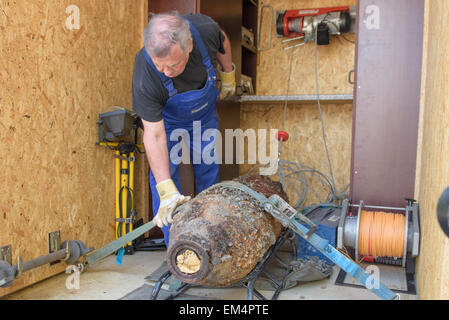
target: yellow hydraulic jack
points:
(118, 123)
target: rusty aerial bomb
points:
(218, 237)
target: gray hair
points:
(163, 31)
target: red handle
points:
(282, 135)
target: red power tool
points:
(320, 21)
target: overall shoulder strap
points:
(201, 47)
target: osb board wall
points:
(432, 271)
(305, 144)
(54, 83)
(302, 121)
(334, 60)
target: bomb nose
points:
(188, 261)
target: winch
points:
(320, 21)
(387, 235)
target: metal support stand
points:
(260, 269)
(250, 280)
(161, 281)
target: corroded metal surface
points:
(227, 230)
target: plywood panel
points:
(334, 60)
(432, 271)
(54, 83)
(305, 144)
(386, 111)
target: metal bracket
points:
(341, 224)
(126, 220)
(350, 80)
(67, 252)
(54, 243)
(130, 159)
(415, 234)
(6, 253)
(359, 213)
(19, 266)
(259, 41)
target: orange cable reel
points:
(381, 234)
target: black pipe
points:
(40, 261)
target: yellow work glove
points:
(170, 198)
(227, 79)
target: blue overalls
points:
(180, 111)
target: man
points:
(174, 84)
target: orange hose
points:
(381, 234)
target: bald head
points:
(165, 30)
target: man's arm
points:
(155, 141)
(225, 60)
(227, 72)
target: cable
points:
(281, 175)
(343, 36)
(381, 234)
(319, 108)
(297, 181)
(288, 89)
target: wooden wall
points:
(302, 119)
(433, 156)
(305, 144)
(334, 60)
(54, 83)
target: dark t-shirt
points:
(150, 95)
